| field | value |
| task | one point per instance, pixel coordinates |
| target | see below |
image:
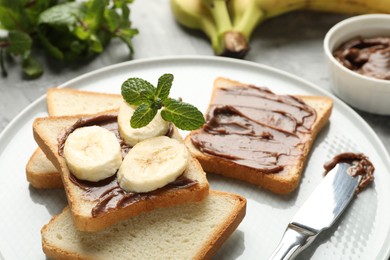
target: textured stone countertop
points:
(292, 42)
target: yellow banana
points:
(195, 15)
(230, 23)
(277, 7)
(246, 16)
(232, 43)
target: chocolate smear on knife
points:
(360, 165)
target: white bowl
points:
(363, 92)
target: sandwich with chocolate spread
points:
(40, 172)
(112, 170)
(193, 230)
(257, 136)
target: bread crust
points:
(47, 176)
(59, 101)
(219, 237)
(276, 183)
(46, 132)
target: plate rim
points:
(7, 133)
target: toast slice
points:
(67, 102)
(40, 172)
(95, 210)
(189, 231)
(288, 178)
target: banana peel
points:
(229, 24)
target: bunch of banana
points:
(230, 23)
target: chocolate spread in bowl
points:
(367, 56)
(107, 193)
(361, 165)
(255, 128)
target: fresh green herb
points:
(150, 99)
(65, 29)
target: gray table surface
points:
(292, 42)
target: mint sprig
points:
(149, 99)
(65, 29)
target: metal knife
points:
(319, 212)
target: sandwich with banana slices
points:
(118, 164)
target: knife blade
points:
(319, 212)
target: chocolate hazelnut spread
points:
(107, 193)
(367, 56)
(255, 128)
(360, 165)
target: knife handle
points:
(294, 240)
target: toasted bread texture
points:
(40, 172)
(190, 231)
(46, 133)
(66, 102)
(274, 182)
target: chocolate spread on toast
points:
(367, 56)
(360, 165)
(108, 122)
(107, 193)
(255, 128)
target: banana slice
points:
(132, 136)
(92, 153)
(152, 164)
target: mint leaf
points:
(125, 13)
(148, 97)
(31, 67)
(112, 19)
(95, 43)
(13, 16)
(52, 50)
(76, 47)
(10, 17)
(120, 25)
(136, 91)
(185, 116)
(123, 5)
(62, 15)
(19, 43)
(164, 86)
(126, 35)
(81, 32)
(33, 10)
(142, 116)
(94, 14)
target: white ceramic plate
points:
(363, 231)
